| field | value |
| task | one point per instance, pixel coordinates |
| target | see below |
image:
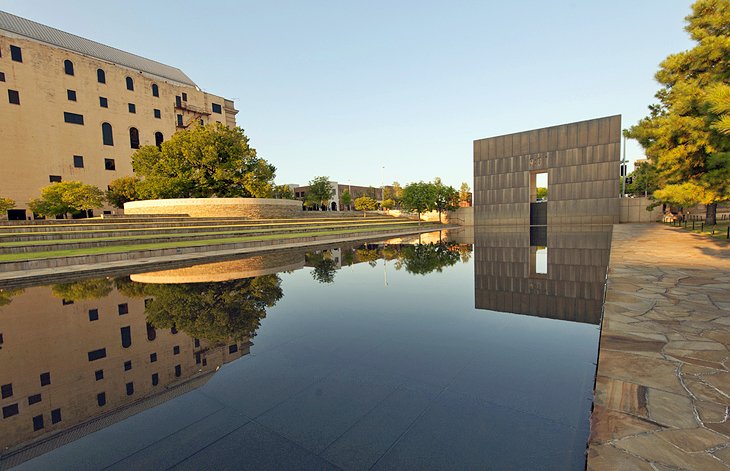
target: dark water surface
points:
(358, 357)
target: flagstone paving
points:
(663, 382)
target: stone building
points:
(335, 203)
(74, 109)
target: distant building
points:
(74, 109)
(335, 203)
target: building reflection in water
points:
(88, 353)
(556, 273)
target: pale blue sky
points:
(343, 88)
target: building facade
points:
(74, 109)
(335, 203)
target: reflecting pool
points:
(428, 352)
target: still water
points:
(420, 353)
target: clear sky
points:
(345, 88)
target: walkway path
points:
(663, 384)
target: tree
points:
(347, 199)
(95, 288)
(58, 199)
(122, 190)
(422, 259)
(397, 193)
(203, 162)
(683, 135)
(324, 268)
(283, 192)
(320, 191)
(446, 198)
(365, 203)
(465, 193)
(388, 204)
(419, 197)
(542, 192)
(644, 180)
(5, 204)
(7, 295)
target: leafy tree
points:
(419, 197)
(446, 198)
(67, 197)
(365, 203)
(683, 135)
(542, 192)
(217, 312)
(465, 193)
(123, 190)
(324, 268)
(202, 162)
(644, 180)
(96, 288)
(347, 199)
(387, 193)
(397, 193)
(283, 192)
(320, 191)
(5, 204)
(388, 204)
(718, 97)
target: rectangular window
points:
(54, 178)
(153, 357)
(103, 102)
(66, 302)
(13, 97)
(34, 399)
(2, 77)
(127, 365)
(99, 375)
(132, 108)
(179, 120)
(71, 95)
(9, 411)
(45, 379)
(217, 108)
(6, 390)
(73, 118)
(55, 416)
(176, 350)
(178, 370)
(130, 389)
(233, 348)
(155, 379)
(123, 309)
(110, 165)
(97, 354)
(37, 423)
(158, 114)
(178, 101)
(79, 163)
(16, 54)
(196, 343)
(185, 96)
(101, 399)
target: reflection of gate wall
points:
(572, 289)
(582, 162)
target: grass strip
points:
(171, 235)
(172, 245)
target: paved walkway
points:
(663, 384)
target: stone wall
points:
(582, 163)
(254, 208)
(634, 210)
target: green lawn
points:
(720, 230)
(187, 234)
(195, 243)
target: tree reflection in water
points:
(95, 288)
(7, 295)
(217, 312)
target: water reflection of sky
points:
(383, 367)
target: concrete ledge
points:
(217, 207)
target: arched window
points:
(68, 66)
(130, 83)
(126, 337)
(158, 139)
(134, 138)
(151, 332)
(100, 76)
(106, 134)
(155, 90)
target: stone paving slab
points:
(662, 392)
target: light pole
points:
(623, 168)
